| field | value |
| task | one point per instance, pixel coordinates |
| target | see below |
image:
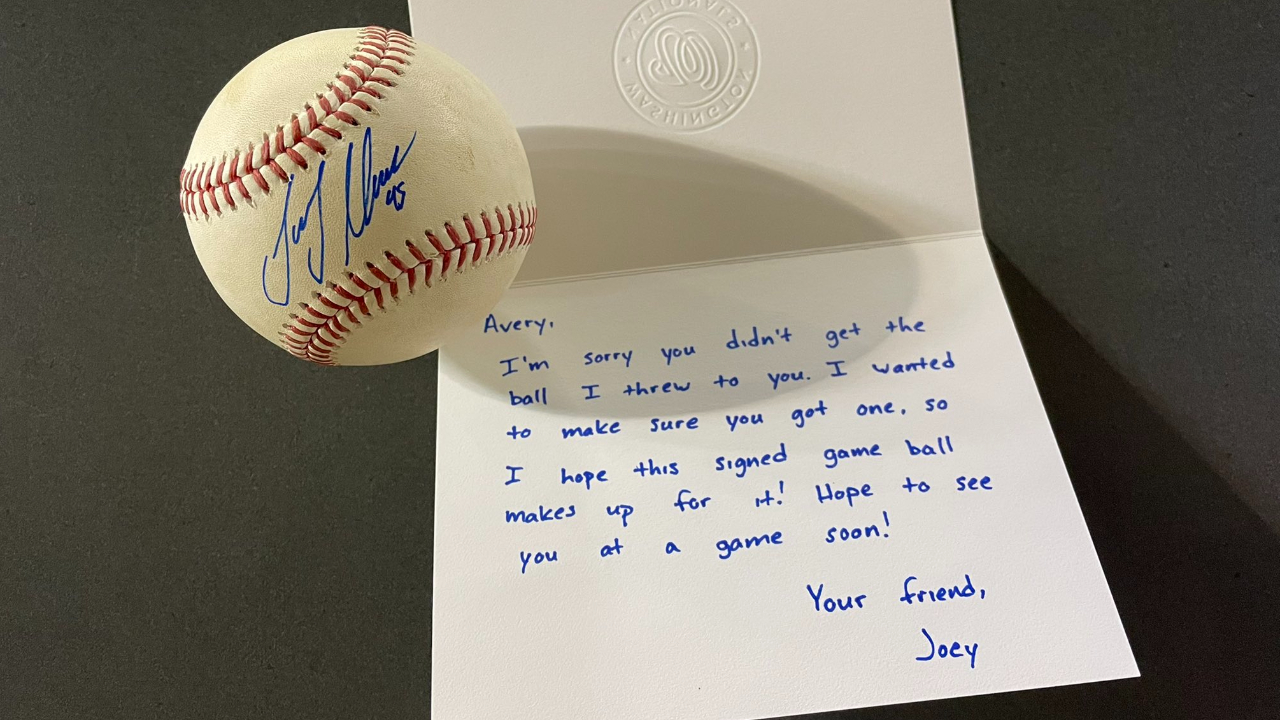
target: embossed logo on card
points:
(686, 65)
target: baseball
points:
(355, 196)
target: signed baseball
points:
(355, 196)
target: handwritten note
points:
(771, 487)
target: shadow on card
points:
(616, 203)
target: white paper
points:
(854, 131)
(835, 194)
(650, 632)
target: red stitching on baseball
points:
(302, 335)
(453, 235)
(200, 184)
(435, 242)
(376, 272)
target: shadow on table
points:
(1194, 571)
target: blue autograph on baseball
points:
(377, 186)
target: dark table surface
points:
(183, 535)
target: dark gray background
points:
(193, 524)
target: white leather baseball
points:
(355, 196)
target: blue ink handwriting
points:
(945, 651)
(622, 511)
(660, 425)
(584, 478)
(942, 594)
(685, 500)
(491, 324)
(542, 514)
(865, 409)
(537, 397)
(856, 533)
(674, 353)
(923, 363)
(594, 358)
(667, 387)
(290, 235)
(801, 415)
(912, 486)
(538, 558)
(530, 365)
(757, 340)
(833, 456)
(740, 465)
(371, 184)
(847, 494)
(599, 427)
(901, 325)
(730, 546)
(777, 379)
(649, 467)
(942, 447)
(964, 484)
(839, 335)
(514, 479)
(733, 421)
(832, 605)
(768, 500)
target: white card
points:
(682, 469)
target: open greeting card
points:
(753, 434)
